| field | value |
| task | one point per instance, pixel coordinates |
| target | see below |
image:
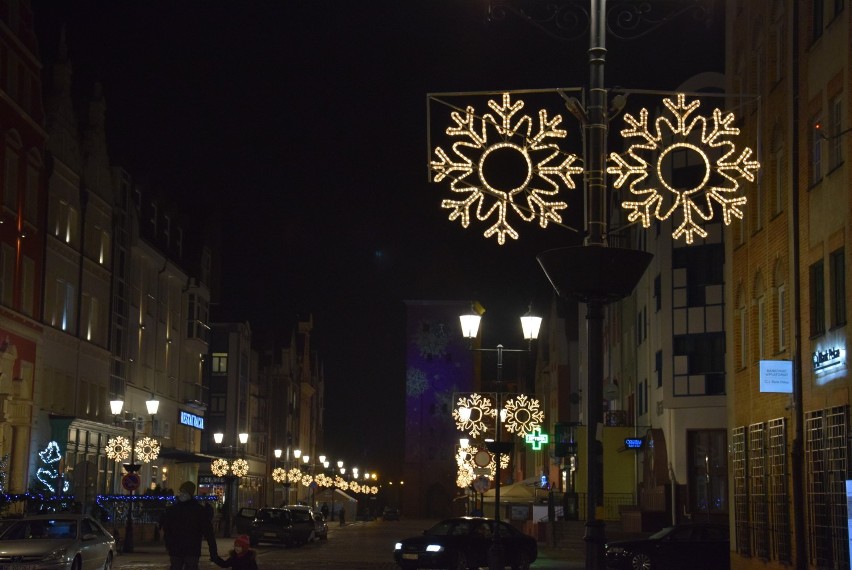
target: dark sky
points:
(300, 126)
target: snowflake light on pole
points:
(486, 139)
(279, 475)
(355, 487)
(307, 480)
(118, 448)
(523, 415)
(240, 467)
(294, 475)
(341, 483)
(470, 414)
(147, 449)
(708, 139)
(219, 467)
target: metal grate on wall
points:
(758, 500)
(826, 452)
(739, 463)
(779, 503)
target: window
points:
(837, 287)
(817, 19)
(761, 324)
(838, 6)
(10, 181)
(153, 219)
(89, 312)
(63, 313)
(220, 363)
(817, 286)
(835, 141)
(7, 274)
(743, 338)
(739, 460)
(816, 151)
(66, 223)
(658, 300)
(27, 286)
(779, 50)
(782, 318)
(658, 366)
(197, 326)
(103, 246)
(31, 196)
(778, 159)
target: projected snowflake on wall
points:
(523, 415)
(118, 448)
(703, 143)
(491, 139)
(470, 413)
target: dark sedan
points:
(694, 546)
(292, 526)
(464, 542)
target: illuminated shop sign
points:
(828, 357)
(191, 420)
(634, 442)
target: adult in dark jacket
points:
(184, 525)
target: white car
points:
(55, 541)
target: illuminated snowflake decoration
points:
(523, 415)
(486, 139)
(118, 448)
(706, 143)
(341, 483)
(240, 467)
(219, 467)
(48, 475)
(294, 475)
(355, 487)
(279, 475)
(324, 480)
(147, 449)
(471, 412)
(307, 480)
(464, 477)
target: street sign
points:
(131, 481)
(481, 484)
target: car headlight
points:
(434, 548)
(397, 546)
(57, 554)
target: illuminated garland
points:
(479, 137)
(523, 415)
(118, 448)
(470, 414)
(147, 449)
(717, 153)
(47, 476)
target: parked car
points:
(390, 514)
(693, 546)
(320, 526)
(243, 519)
(288, 525)
(56, 541)
(464, 542)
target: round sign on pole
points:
(481, 484)
(131, 481)
(482, 458)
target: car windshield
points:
(42, 528)
(450, 528)
(662, 533)
(300, 516)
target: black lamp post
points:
(230, 476)
(470, 328)
(132, 468)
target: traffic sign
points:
(131, 481)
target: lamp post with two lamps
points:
(238, 467)
(147, 449)
(470, 328)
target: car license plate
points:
(409, 557)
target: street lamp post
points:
(230, 476)
(470, 328)
(132, 468)
(334, 487)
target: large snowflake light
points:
(219, 467)
(708, 140)
(118, 448)
(488, 138)
(279, 475)
(147, 449)
(470, 413)
(523, 415)
(240, 467)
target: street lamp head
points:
(340, 464)
(277, 453)
(464, 442)
(325, 464)
(244, 438)
(306, 458)
(297, 453)
(530, 325)
(322, 458)
(218, 437)
(470, 324)
(153, 405)
(115, 406)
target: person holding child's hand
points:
(242, 557)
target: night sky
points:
(300, 127)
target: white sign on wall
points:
(776, 376)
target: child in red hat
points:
(242, 557)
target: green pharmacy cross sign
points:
(537, 439)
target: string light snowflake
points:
(307, 479)
(324, 480)
(341, 483)
(279, 475)
(118, 448)
(147, 449)
(523, 415)
(294, 475)
(240, 467)
(470, 414)
(485, 140)
(219, 467)
(355, 487)
(704, 143)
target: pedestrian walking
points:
(185, 524)
(242, 557)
